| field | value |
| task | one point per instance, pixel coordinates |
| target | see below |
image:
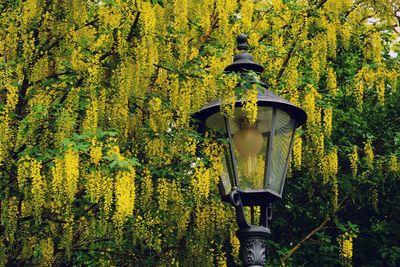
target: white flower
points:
(392, 54)
(193, 164)
(237, 15)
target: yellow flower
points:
(163, 192)
(57, 184)
(394, 166)
(250, 105)
(96, 154)
(200, 181)
(12, 98)
(154, 108)
(71, 165)
(246, 11)
(146, 192)
(331, 39)
(124, 198)
(278, 5)
(353, 157)
(335, 195)
(376, 46)
(47, 248)
(327, 121)
(38, 186)
(94, 185)
(228, 94)
(369, 153)
(345, 34)
(359, 94)
(23, 171)
(297, 152)
(310, 107)
(319, 48)
(10, 218)
(331, 81)
(235, 243)
(333, 162)
(91, 118)
(380, 90)
(346, 246)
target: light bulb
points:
(248, 142)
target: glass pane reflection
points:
(226, 174)
(284, 127)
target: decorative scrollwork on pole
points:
(253, 249)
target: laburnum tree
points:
(101, 163)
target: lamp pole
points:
(256, 155)
(252, 238)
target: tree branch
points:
(153, 79)
(319, 227)
(213, 26)
(132, 29)
(19, 109)
(286, 61)
(298, 245)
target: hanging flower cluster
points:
(346, 248)
(353, 157)
(250, 106)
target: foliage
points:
(101, 164)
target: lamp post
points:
(256, 156)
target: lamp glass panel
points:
(250, 143)
(226, 176)
(281, 143)
(216, 122)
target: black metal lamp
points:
(256, 157)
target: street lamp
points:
(256, 156)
